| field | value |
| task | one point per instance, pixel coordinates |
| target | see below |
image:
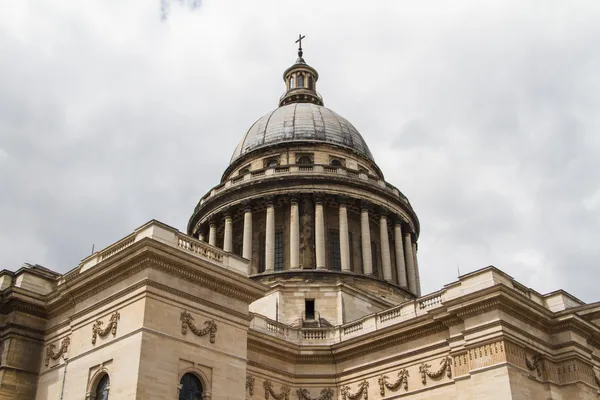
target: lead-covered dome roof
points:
(302, 122)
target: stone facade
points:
(298, 278)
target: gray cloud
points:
(484, 115)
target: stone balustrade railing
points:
(469, 283)
(171, 237)
(300, 170)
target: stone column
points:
(228, 235)
(365, 234)
(247, 240)
(410, 263)
(270, 239)
(319, 234)
(344, 240)
(212, 234)
(416, 266)
(201, 236)
(294, 235)
(400, 263)
(386, 261)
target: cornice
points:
(149, 253)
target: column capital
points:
(382, 211)
(318, 197)
(341, 199)
(246, 205)
(269, 200)
(366, 205)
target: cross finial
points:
(299, 41)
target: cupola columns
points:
(344, 239)
(319, 234)
(365, 233)
(410, 263)
(270, 238)
(386, 261)
(228, 234)
(247, 239)
(294, 235)
(212, 234)
(400, 264)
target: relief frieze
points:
(111, 327)
(445, 366)
(283, 395)
(401, 381)
(51, 355)
(187, 321)
(363, 391)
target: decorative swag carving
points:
(326, 394)
(402, 380)
(363, 390)
(111, 327)
(535, 364)
(250, 384)
(50, 354)
(284, 395)
(187, 321)
(445, 366)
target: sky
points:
(485, 114)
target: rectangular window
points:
(309, 308)
(334, 250)
(279, 251)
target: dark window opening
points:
(244, 171)
(272, 162)
(261, 252)
(304, 160)
(102, 388)
(374, 252)
(191, 388)
(334, 250)
(336, 163)
(300, 80)
(279, 251)
(311, 84)
(309, 308)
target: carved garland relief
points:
(187, 321)
(50, 354)
(283, 395)
(363, 391)
(326, 394)
(402, 381)
(111, 327)
(250, 384)
(445, 366)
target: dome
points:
(302, 122)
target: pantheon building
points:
(297, 278)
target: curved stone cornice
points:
(303, 184)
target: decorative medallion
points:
(445, 366)
(50, 354)
(326, 394)
(363, 391)
(284, 395)
(250, 384)
(187, 321)
(402, 381)
(110, 328)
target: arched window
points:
(311, 84)
(304, 160)
(271, 162)
(191, 388)
(336, 163)
(292, 82)
(102, 388)
(300, 80)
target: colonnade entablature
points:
(303, 229)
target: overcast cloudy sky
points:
(485, 114)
